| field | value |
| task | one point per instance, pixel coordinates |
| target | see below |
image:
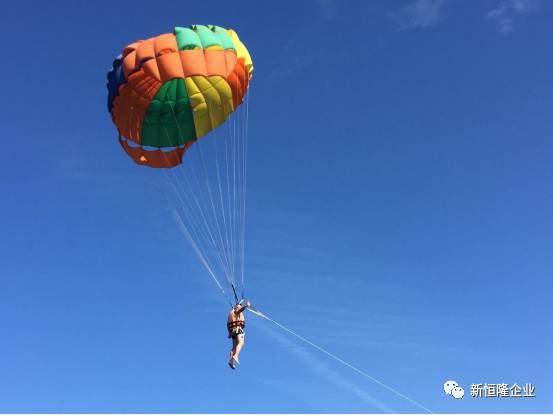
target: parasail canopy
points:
(167, 91)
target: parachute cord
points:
(339, 360)
(194, 230)
(223, 213)
(218, 228)
(186, 233)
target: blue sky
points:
(399, 213)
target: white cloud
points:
(509, 12)
(419, 14)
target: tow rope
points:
(339, 360)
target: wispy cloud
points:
(509, 12)
(302, 49)
(418, 14)
(380, 330)
(330, 375)
(296, 58)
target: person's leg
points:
(234, 345)
(233, 351)
(238, 347)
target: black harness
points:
(237, 323)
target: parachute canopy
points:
(167, 91)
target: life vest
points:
(237, 323)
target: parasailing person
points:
(236, 324)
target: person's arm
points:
(241, 309)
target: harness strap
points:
(234, 291)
